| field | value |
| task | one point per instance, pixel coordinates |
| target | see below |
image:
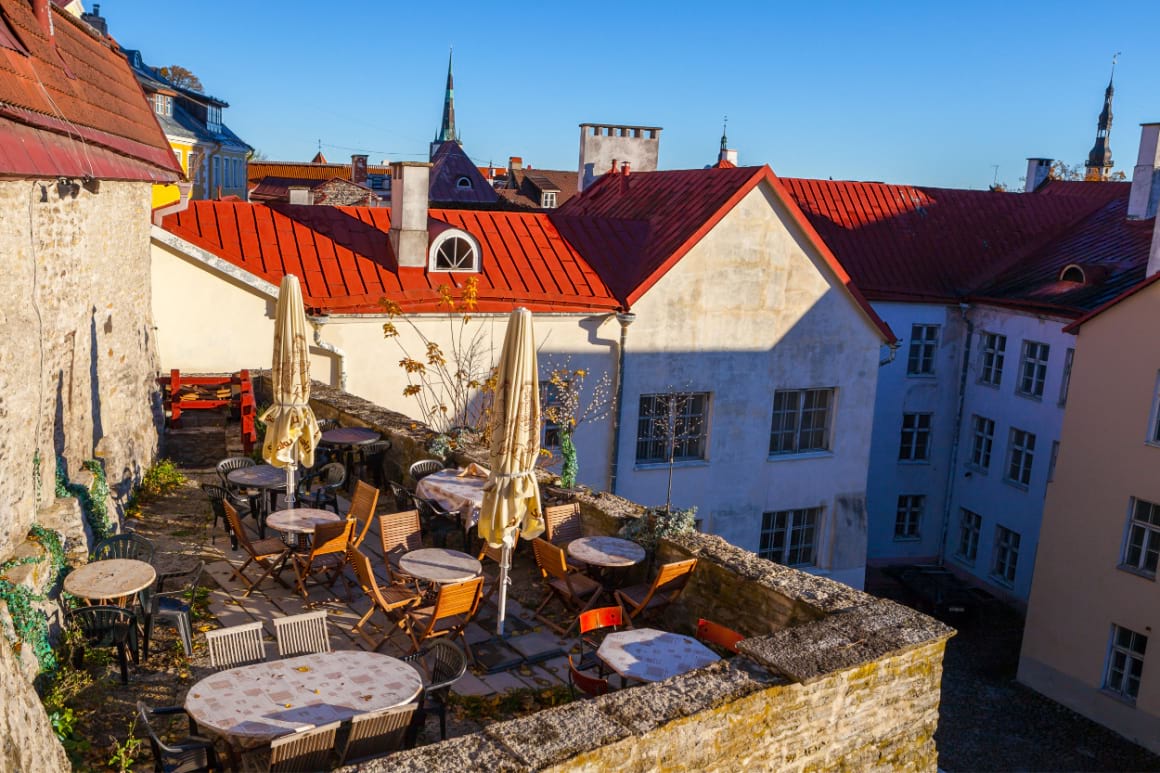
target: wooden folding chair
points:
(327, 554)
(362, 510)
(562, 523)
(671, 579)
(454, 607)
(494, 555)
(390, 600)
(270, 554)
(576, 591)
(377, 734)
(304, 752)
(301, 634)
(717, 634)
(400, 533)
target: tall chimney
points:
(358, 169)
(602, 143)
(410, 183)
(1037, 171)
(1145, 195)
(1154, 255)
(43, 13)
(299, 194)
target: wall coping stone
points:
(558, 734)
(844, 640)
(465, 753)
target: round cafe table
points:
(300, 520)
(439, 565)
(111, 579)
(255, 704)
(611, 552)
(265, 477)
(649, 655)
(347, 439)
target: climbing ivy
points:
(94, 502)
(29, 624)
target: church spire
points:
(447, 129)
(1099, 163)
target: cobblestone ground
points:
(989, 722)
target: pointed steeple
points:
(726, 158)
(1099, 163)
(447, 129)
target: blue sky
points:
(931, 93)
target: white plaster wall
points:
(751, 309)
(987, 493)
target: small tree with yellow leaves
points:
(452, 388)
(564, 410)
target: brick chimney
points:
(358, 169)
(1037, 171)
(300, 194)
(410, 185)
(1145, 195)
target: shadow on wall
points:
(95, 377)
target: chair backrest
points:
(98, 623)
(671, 579)
(601, 617)
(550, 558)
(216, 495)
(238, 645)
(226, 466)
(124, 546)
(177, 583)
(400, 533)
(591, 686)
(494, 553)
(403, 498)
(362, 509)
(331, 476)
(562, 523)
(715, 633)
(423, 468)
(364, 574)
(301, 634)
(377, 733)
(460, 598)
(331, 538)
(236, 528)
(448, 664)
(303, 752)
(199, 756)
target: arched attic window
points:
(463, 183)
(1073, 273)
(454, 250)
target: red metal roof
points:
(83, 111)
(910, 243)
(344, 258)
(299, 170)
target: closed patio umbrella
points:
(291, 430)
(511, 496)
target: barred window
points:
(789, 537)
(801, 420)
(676, 418)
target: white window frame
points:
(1125, 666)
(923, 351)
(697, 441)
(1033, 369)
(213, 118)
(443, 238)
(908, 517)
(548, 199)
(982, 442)
(549, 396)
(798, 529)
(1142, 538)
(1065, 384)
(1021, 452)
(1005, 555)
(992, 353)
(970, 527)
(908, 442)
(795, 414)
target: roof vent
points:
(1073, 273)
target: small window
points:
(914, 442)
(1073, 273)
(454, 251)
(463, 183)
(1006, 559)
(1125, 662)
(213, 120)
(992, 348)
(548, 199)
(789, 537)
(801, 420)
(1034, 372)
(982, 438)
(1020, 457)
(1142, 542)
(908, 517)
(970, 524)
(923, 345)
(675, 422)
(549, 398)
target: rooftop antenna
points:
(320, 145)
(995, 179)
(1115, 56)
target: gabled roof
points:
(912, 243)
(525, 186)
(449, 166)
(301, 170)
(273, 189)
(1125, 295)
(72, 107)
(345, 261)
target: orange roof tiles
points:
(299, 170)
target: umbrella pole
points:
(504, 564)
(290, 470)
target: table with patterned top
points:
(439, 565)
(255, 704)
(112, 578)
(649, 655)
(455, 494)
(606, 551)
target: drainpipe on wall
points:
(952, 470)
(317, 323)
(625, 318)
(184, 194)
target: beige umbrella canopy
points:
(291, 430)
(511, 496)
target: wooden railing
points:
(235, 392)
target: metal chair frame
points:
(446, 665)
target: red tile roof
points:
(634, 228)
(912, 243)
(82, 110)
(344, 258)
(299, 170)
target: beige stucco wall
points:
(1078, 593)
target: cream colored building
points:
(1094, 616)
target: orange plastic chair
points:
(591, 686)
(715, 633)
(664, 590)
(595, 620)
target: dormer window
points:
(1073, 273)
(548, 199)
(162, 104)
(213, 118)
(454, 250)
(463, 183)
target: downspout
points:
(340, 355)
(625, 318)
(952, 471)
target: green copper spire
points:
(447, 130)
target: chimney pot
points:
(358, 169)
(1037, 171)
(625, 168)
(43, 15)
(612, 169)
